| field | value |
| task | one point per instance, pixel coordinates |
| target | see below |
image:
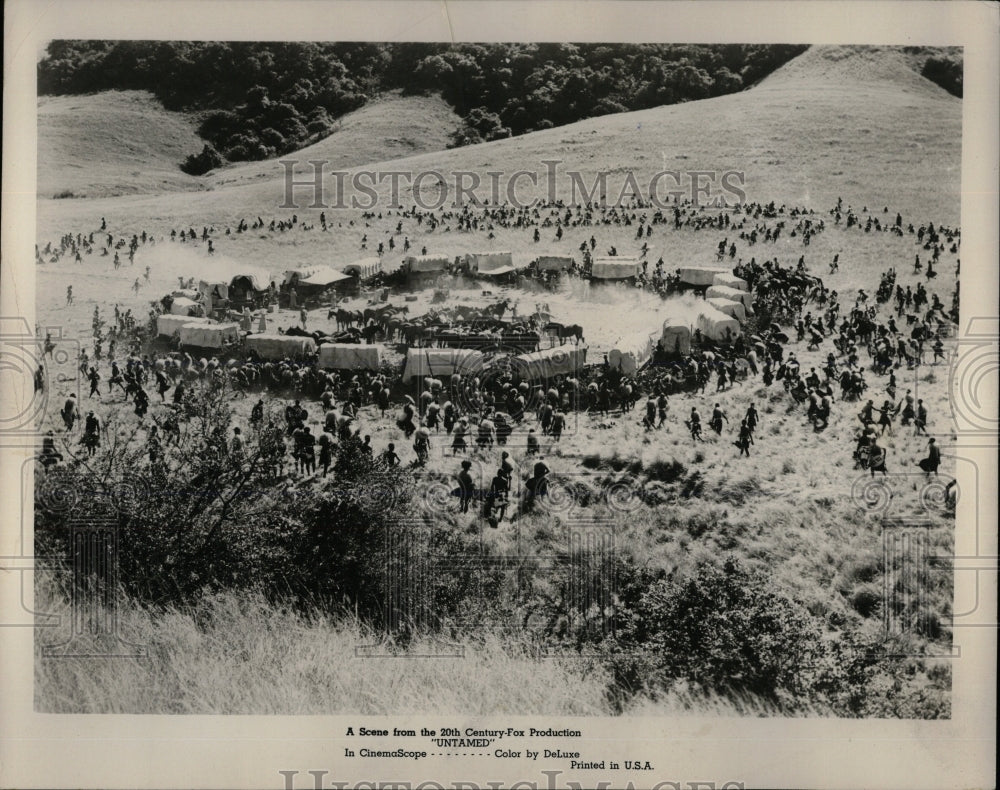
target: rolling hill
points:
(124, 143)
(111, 144)
(861, 124)
(391, 127)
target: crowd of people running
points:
(497, 410)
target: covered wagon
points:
(676, 337)
(489, 264)
(293, 276)
(350, 356)
(554, 263)
(716, 325)
(186, 307)
(167, 325)
(630, 354)
(733, 294)
(729, 307)
(209, 335)
(232, 284)
(442, 362)
(275, 346)
(363, 270)
(699, 276)
(615, 268)
(426, 264)
(730, 281)
(322, 279)
(550, 362)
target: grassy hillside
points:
(810, 133)
(112, 143)
(124, 143)
(393, 127)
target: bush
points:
(721, 629)
(199, 164)
(946, 73)
(866, 600)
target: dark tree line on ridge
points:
(257, 100)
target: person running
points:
(162, 385)
(877, 458)
(886, 413)
(91, 433)
(116, 378)
(257, 413)
(931, 463)
(95, 380)
(497, 499)
(693, 423)
(389, 456)
(458, 443)
(307, 451)
(141, 402)
(718, 417)
(649, 421)
(236, 444)
(422, 444)
(920, 420)
(751, 418)
(558, 423)
(325, 453)
(661, 409)
(70, 412)
(745, 439)
(466, 487)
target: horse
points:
(497, 310)
(564, 331)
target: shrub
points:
(944, 72)
(199, 164)
(866, 600)
(720, 628)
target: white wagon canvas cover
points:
(549, 362)
(422, 264)
(699, 275)
(730, 281)
(350, 356)
(615, 268)
(363, 269)
(717, 326)
(204, 335)
(553, 263)
(275, 346)
(630, 354)
(676, 336)
(442, 362)
(167, 324)
(733, 294)
(489, 264)
(186, 307)
(729, 307)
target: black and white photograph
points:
(572, 379)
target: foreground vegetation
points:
(228, 572)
